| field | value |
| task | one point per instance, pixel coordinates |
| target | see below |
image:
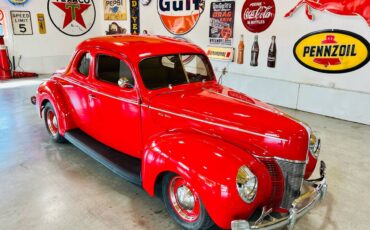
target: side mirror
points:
(124, 83)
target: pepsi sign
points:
(180, 16)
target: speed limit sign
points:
(21, 22)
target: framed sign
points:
(221, 25)
(115, 10)
(21, 22)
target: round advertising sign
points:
(258, 15)
(17, 2)
(73, 18)
(180, 17)
(1, 15)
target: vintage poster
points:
(221, 25)
(115, 10)
(21, 22)
(135, 20)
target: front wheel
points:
(183, 203)
(51, 123)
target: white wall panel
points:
(276, 92)
(342, 104)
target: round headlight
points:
(247, 184)
(315, 144)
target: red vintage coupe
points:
(150, 109)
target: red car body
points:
(202, 131)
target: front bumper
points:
(313, 191)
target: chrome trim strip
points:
(95, 91)
(282, 159)
(217, 124)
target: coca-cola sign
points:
(257, 15)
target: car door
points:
(76, 85)
(115, 110)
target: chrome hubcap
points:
(52, 122)
(185, 198)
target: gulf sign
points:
(180, 16)
(332, 51)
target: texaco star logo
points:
(72, 17)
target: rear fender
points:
(53, 92)
(211, 166)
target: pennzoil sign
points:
(332, 51)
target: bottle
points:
(271, 58)
(255, 51)
(240, 59)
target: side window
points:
(84, 64)
(111, 69)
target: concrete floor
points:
(44, 185)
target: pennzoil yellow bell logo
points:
(332, 51)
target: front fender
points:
(53, 92)
(211, 166)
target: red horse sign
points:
(341, 7)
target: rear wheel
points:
(51, 123)
(183, 203)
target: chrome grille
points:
(293, 173)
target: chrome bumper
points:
(313, 191)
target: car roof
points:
(139, 47)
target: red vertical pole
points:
(5, 70)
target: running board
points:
(123, 165)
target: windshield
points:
(166, 71)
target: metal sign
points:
(21, 22)
(258, 15)
(115, 10)
(340, 7)
(332, 51)
(180, 16)
(221, 23)
(220, 53)
(1, 15)
(18, 2)
(73, 18)
(135, 20)
(41, 23)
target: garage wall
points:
(43, 53)
(345, 96)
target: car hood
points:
(233, 116)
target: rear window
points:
(111, 69)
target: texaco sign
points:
(72, 17)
